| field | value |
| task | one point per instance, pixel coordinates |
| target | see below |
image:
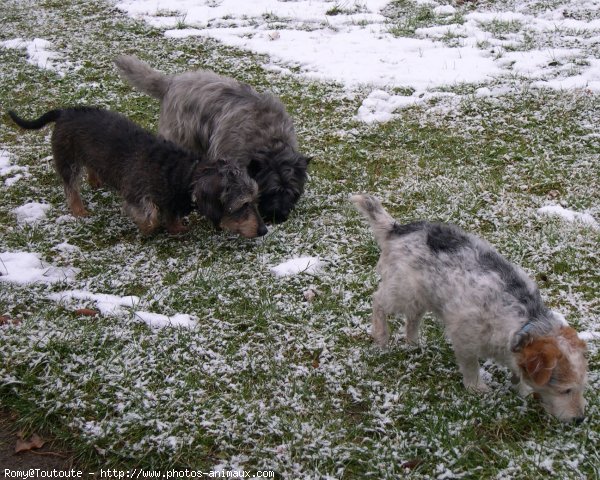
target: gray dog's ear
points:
(227, 169)
(221, 164)
(520, 340)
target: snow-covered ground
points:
(8, 171)
(297, 265)
(569, 215)
(296, 332)
(353, 42)
(25, 268)
(39, 52)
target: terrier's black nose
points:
(262, 231)
(579, 420)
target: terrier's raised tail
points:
(381, 222)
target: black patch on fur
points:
(514, 284)
(445, 238)
(400, 230)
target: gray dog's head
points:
(280, 175)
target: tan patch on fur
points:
(93, 179)
(145, 216)
(176, 226)
(246, 227)
(571, 335)
(539, 358)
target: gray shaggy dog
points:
(489, 307)
(226, 119)
(159, 181)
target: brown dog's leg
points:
(75, 203)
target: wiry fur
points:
(490, 308)
(158, 180)
(226, 119)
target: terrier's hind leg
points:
(380, 329)
(75, 203)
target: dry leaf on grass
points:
(87, 312)
(5, 320)
(25, 445)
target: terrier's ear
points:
(538, 360)
(520, 341)
(307, 159)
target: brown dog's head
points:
(555, 367)
(227, 196)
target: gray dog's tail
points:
(142, 76)
(381, 222)
(36, 124)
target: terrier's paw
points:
(478, 387)
(381, 338)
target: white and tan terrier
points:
(490, 308)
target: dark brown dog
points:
(158, 181)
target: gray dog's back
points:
(210, 113)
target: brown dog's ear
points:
(206, 193)
(538, 360)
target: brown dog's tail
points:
(142, 76)
(381, 222)
(36, 124)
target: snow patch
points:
(106, 303)
(31, 213)
(379, 106)
(569, 215)
(294, 266)
(589, 336)
(25, 268)
(120, 306)
(39, 53)
(8, 168)
(157, 320)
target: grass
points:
(406, 16)
(268, 380)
